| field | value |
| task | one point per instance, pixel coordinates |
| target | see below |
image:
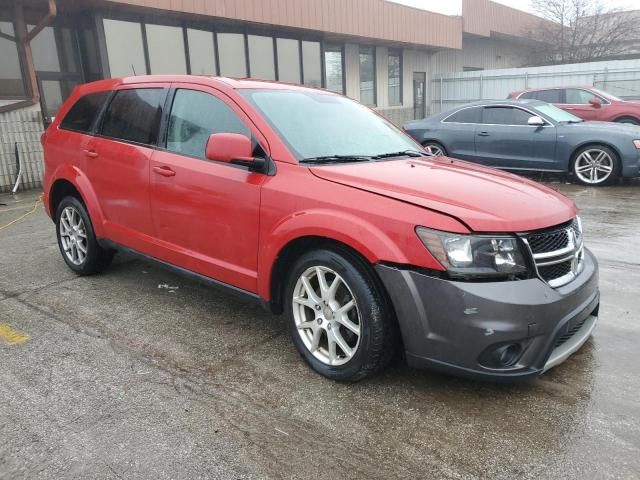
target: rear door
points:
(206, 213)
(506, 140)
(118, 162)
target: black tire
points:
(628, 120)
(96, 258)
(615, 172)
(429, 145)
(379, 338)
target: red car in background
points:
(586, 102)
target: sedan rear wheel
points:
(596, 165)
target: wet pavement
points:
(139, 373)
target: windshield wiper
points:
(404, 153)
(336, 159)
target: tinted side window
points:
(83, 112)
(550, 96)
(134, 115)
(505, 116)
(194, 117)
(467, 115)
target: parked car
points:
(532, 135)
(313, 205)
(587, 103)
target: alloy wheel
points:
(434, 149)
(326, 315)
(594, 166)
(73, 235)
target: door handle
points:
(91, 153)
(164, 171)
(483, 134)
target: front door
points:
(505, 139)
(577, 102)
(206, 213)
(419, 95)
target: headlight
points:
(477, 256)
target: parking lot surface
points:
(139, 373)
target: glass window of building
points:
(368, 76)
(11, 82)
(311, 66)
(395, 78)
(333, 65)
(124, 48)
(44, 51)
(166, 49)
(231, 54)
(288, 60)
(261, 61)
(202, 54)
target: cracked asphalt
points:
(139, 373)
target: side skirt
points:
(208, 281)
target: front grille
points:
(551, 272)
(570, 333)
(549, 242)
(557, 253)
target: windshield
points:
(317, 124)
(557, 114)
(607, 95)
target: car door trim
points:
(498, 105)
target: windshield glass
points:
(317, 124)
(607, 95)
(557, 114)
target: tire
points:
(75, 234)
(436, 148)
(627, 120)
(589, 164)
(371, 338)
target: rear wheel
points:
(77, 241)
(595, 165)
(628, 120)
(338, 316)
(435, 149)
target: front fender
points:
(79, 180)
(362, 236)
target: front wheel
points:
(435, 149)
(595, 165)
(628, 120)
(77, 240)
(338, 316)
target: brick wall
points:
(21, 129)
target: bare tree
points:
(581, 31)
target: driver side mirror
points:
(233, 148)
(595, 102)
(536, 121)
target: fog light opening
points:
(508, 355)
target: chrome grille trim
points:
(569, 238)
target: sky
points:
(454, 7)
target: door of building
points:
(419, 94)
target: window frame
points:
(26, 86)
(396, 53)
(372, 48)
(99, 124)
(256, 135)
(328, 47)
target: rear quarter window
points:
(466, 115)
(82, 114)
(134, 115)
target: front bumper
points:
(450, 326)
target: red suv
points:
(314, 205)
(586, 102)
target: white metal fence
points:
(620, 77)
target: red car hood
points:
(485, 199)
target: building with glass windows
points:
(380, 53)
